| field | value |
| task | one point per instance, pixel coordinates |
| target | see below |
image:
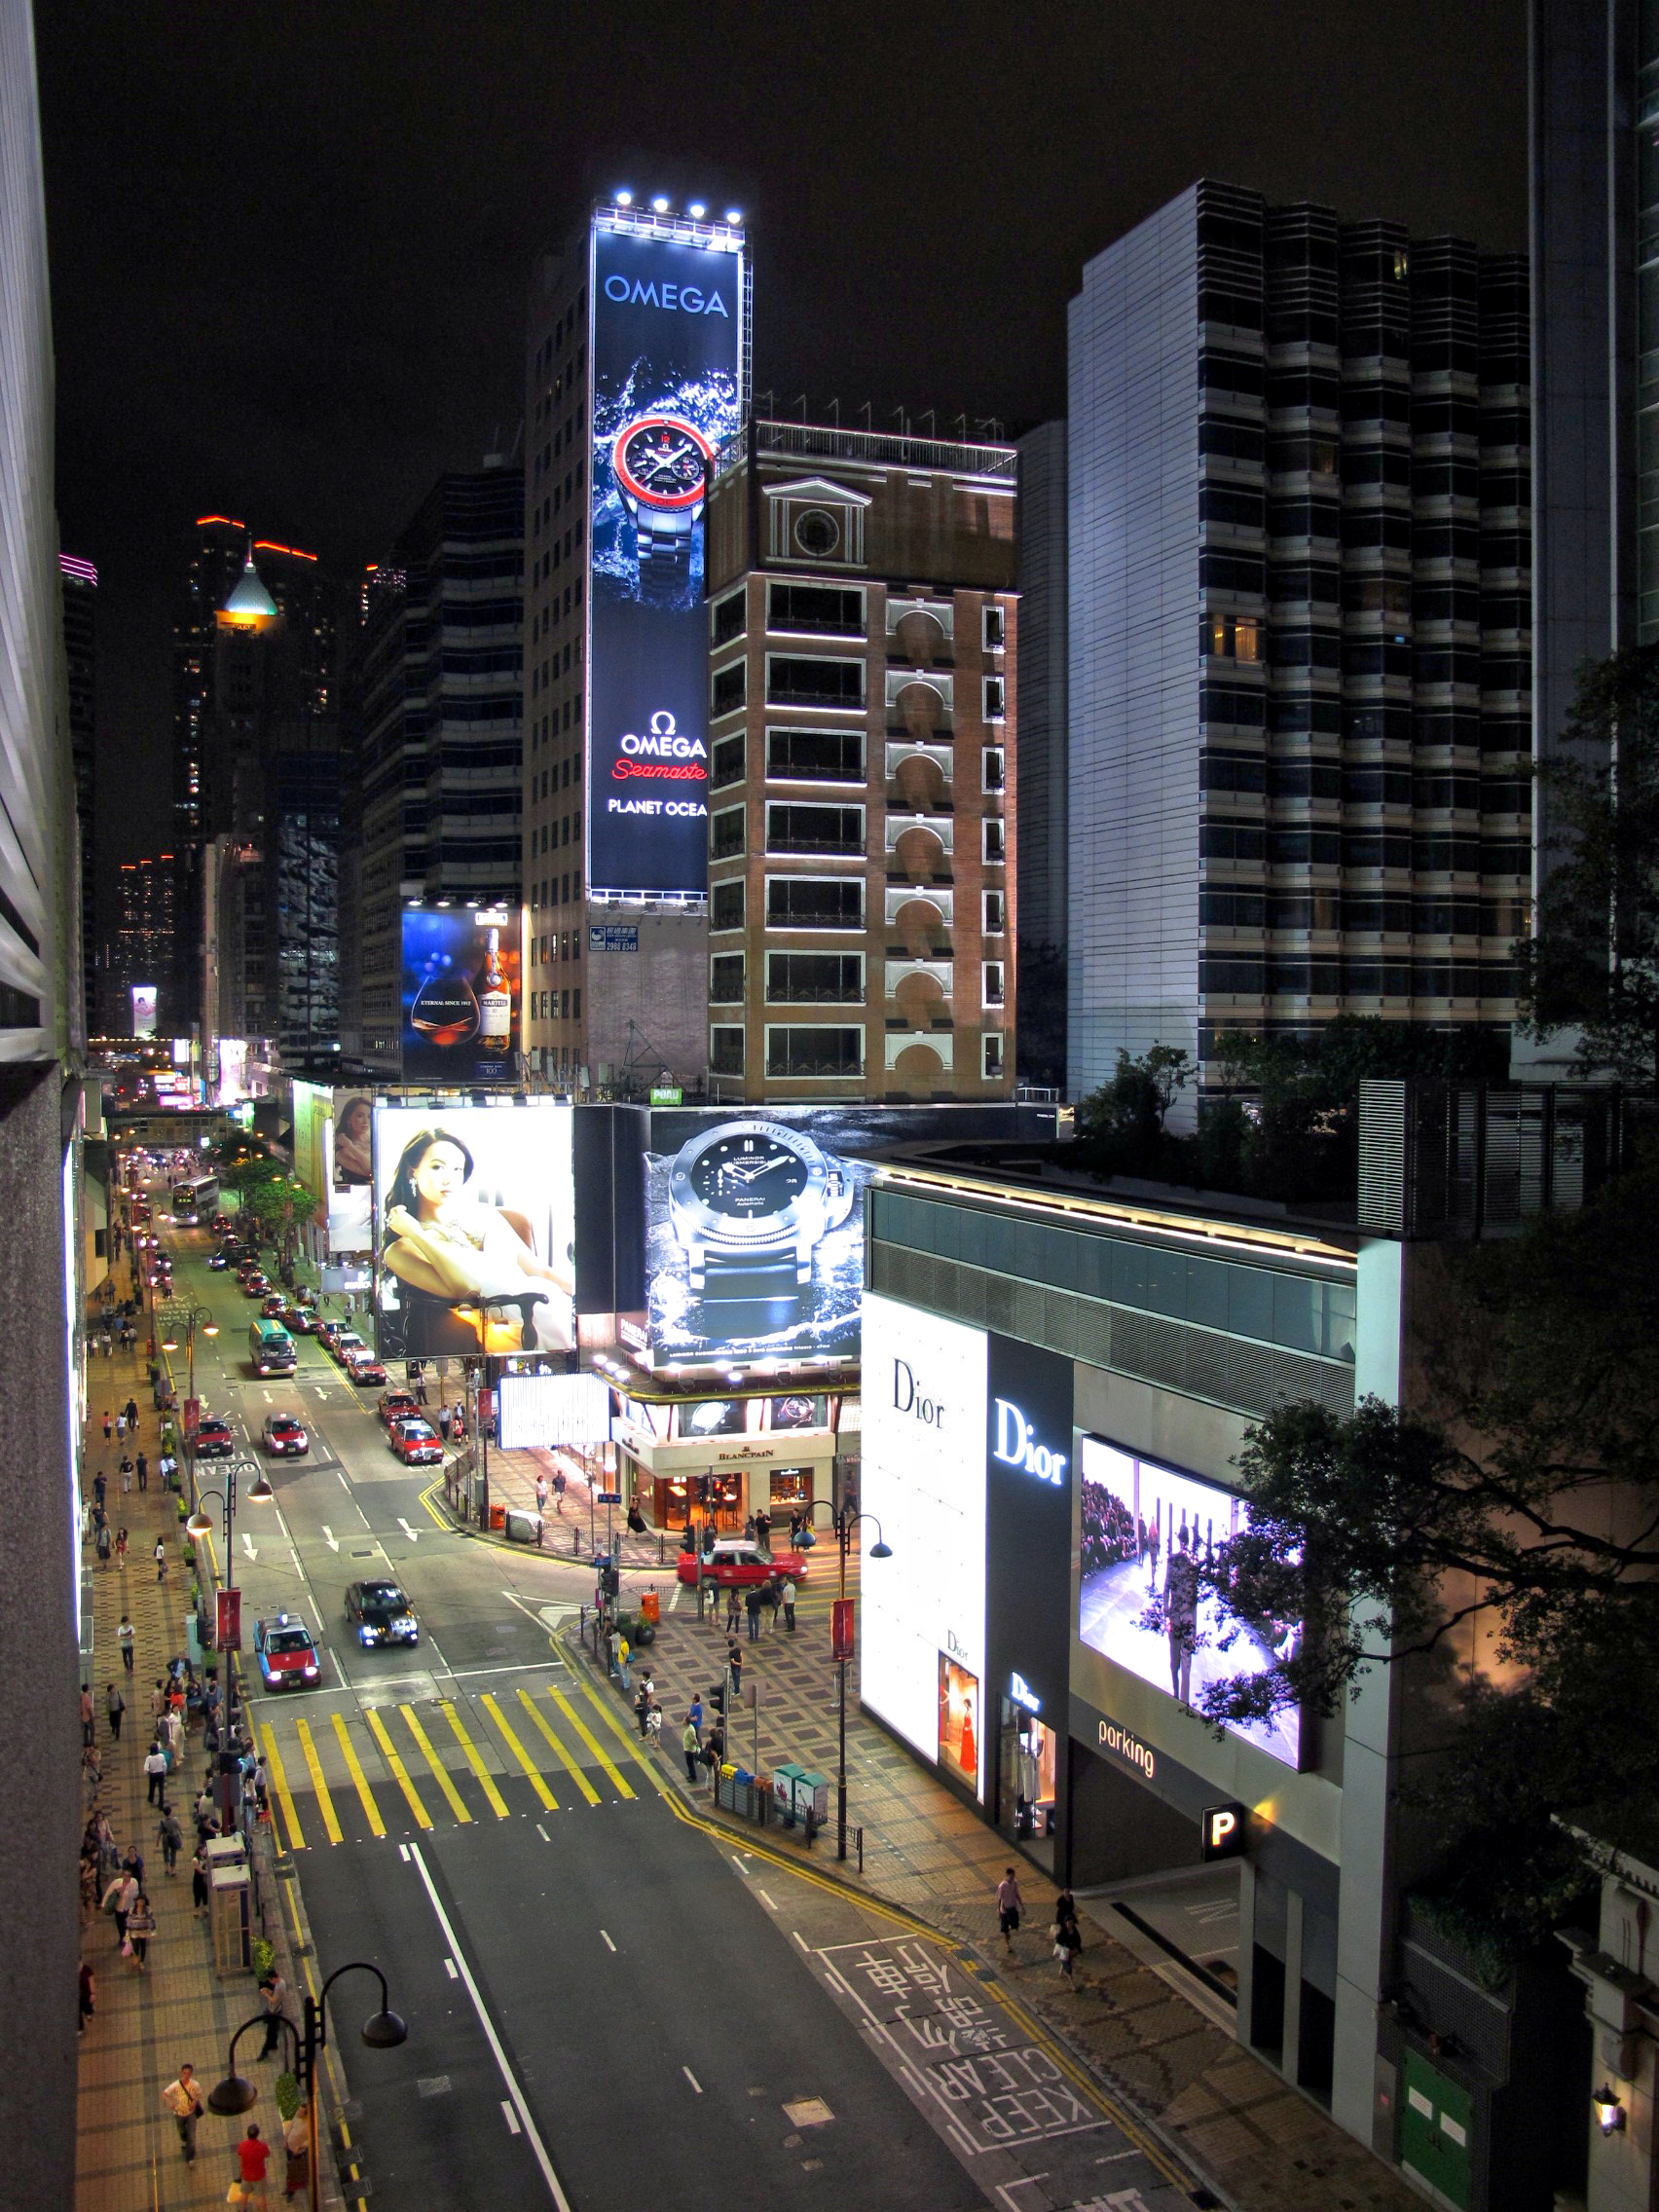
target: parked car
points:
(397, 1405)
(416, 1443)
(287, 1653)
(274, 1306)
(380, 1613)
(343, 1345)
(254, 1283)
(299, 1320)
(367, 1373)
(735, 1559)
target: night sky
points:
(290, 247)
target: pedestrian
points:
(653, 1725)
(253, 2156)
(88, 1727)
(695, 1716)
(183, 2099)
(198, 1880)
(275, 1997)
(121, 1547)
(788, 1596)
(115, 1705)
(132, 1417)
(748, 1530)
(751, 1606)
(642, 1707)
(770, 1600)
(734, 1665)
(541, 1491)
(102, 1544)
(691, 1744)
(763, 1530)
(444, 1422)
(1009, 1905)
(87, 1994)
(296, 2146)
(92, 1773)
(161, 1559)
(170, 1836)
(126, 1476)
(143, 1470)
(457, 1420)
(126, 1636)
(158, 1701)
(624, 1653)
(734, 1607)
(120, 1427)
(106, 1425)
(141, 1927)
(559, 1479)
(1066, 1935)
(99, 1482)
(118, 1901)
(155, 1770)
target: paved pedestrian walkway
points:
(178, 2009)
(1261, 2145)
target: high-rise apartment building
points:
(218, 553)
(1300, 629)
(146, 947)
(1041, 776)
(862, 765)
(79, 585)
(637, 371)
(434, 740)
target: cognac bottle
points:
(495, 1001)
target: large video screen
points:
(460, 994)
(666, 350)
(1144, 1528)
(474, 1230)
(922, 1642)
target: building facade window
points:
(725, 906)
(726, 832)
(995, 698)
(814, 1051)
(815, 756)
(731, 687)
(814, 828)
(993, 913)
(808, 979)
(725, 1050)
(795, 682)
(815, 903)
(726, 978)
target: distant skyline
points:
(290, 255)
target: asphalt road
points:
(607, 2003)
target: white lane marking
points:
(247, 1545)
(765, 1899)
(674, 1597)
(449, 1968)
(510, 2116)
(295, 1557)
(414, 1534)
(403, 1853)
(693, 2079)
(514, 2092)
(741, 1868)
(608, 1944)
(330, 1538)
(269, 1400)
(343, 1484)
(542, 1834)
(802, 1940)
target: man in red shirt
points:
(253, 2155)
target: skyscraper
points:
(80, 584)
(1041, 775)
(1299, 659)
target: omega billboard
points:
(668, 365)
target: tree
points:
(1522, 1504)
(1120, 1125)
(1592, 960)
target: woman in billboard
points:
(462, 1266)
(351, 1142)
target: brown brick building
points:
(862, 758)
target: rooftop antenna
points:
(866, 412)
(800, 402)
(962, 427)
(834, 412)
(932, 428)
(769, 398)
(902, 421)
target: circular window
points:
(817, 533)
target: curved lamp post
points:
(843, 1523)
(178, 1322)
(384, 2030)
(200, 1524)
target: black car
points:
(378, 1612)
(214, 1438)
(217, 1260)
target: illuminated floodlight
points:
(734, 215)
(660, 204)
(624, 199)
(697, 210)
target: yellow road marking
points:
(487, 1781)
(426, 1496)
(519, 1752)
(354, 1768)
(587, 1736)
(325, 1803)
(389, 1753)
(637, 1751)
(458, 1803)
(574, 1771)
(279, 1776)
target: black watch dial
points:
(748, 1176)
(661, 462)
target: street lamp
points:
(180, 1321)
(384, 2030)
(844, 1524)
(200, 1524)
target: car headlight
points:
(310, 1674)
(366, 1633)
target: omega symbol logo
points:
(907, 1399)
(664, 742)
(1017, 1446)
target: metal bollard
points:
(860, 1851)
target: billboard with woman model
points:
(473, 1230)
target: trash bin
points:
(650, 1607)
(498, 1516)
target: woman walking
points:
(141, 1927)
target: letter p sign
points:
(1223, 1831)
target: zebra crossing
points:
(335, 1778)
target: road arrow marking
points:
(414, 1534)
(330, 1538)
(247, 1545)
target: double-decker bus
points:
(196, 1201)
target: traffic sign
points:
(608, 1497)
(841, 1628)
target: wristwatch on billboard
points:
(662, 465)
(750, 1202)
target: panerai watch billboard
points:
(666, 344)
(460, 994)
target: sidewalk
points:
(128, 2154)
(1260, 2144)
(574, 1533)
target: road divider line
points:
(325, 1803)
(400, 1773)
(360, 1780)
(514, 2092)
(556, 1743)
(589, 1737)
(279, 1776)
(440, 1772)
(532, 1770)
(486, 1780)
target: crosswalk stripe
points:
(279, 1776)
(589, 1737)
(574, 1771)
(486, 1780)
(519, 1752)
(354, 1767)
(637, 1751)
(457, 1802)
(325, 1803)
(400, 1773)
